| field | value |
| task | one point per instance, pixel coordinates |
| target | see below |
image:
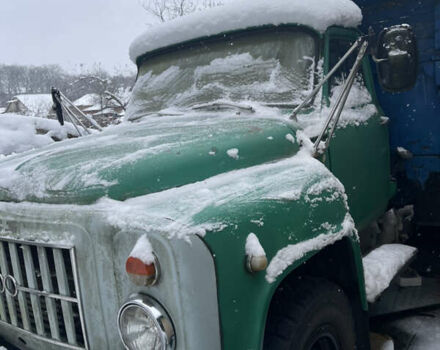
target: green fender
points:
(244, 297)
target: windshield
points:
(266, 67)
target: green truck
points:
(232, 209)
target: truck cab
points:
(211, 218)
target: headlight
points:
(145, 325)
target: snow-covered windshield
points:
(262, 66)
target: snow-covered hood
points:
(135, 159)
(242, 14)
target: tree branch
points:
(110, 96)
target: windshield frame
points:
(203, 41)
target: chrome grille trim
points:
(2, 302)
(47, 285)
(43, 293)
(4, 270)
(32, 282)
(49, 305)
(63, 287)
(19, 278)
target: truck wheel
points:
(310, 314)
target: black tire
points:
(310, 314)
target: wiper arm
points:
(222, 105)
(307, 100)
(340, 103)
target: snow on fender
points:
(286, 256)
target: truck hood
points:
(135, 159)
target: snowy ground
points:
(412, 331)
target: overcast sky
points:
(70, 32)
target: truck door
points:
(359, 151)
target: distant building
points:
(37, 105)
(100, 109)
(89, 101)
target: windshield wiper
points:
(157, 114)
(282, 105)
(224, 105)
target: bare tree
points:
(166, 10)
(17, 80)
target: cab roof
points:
(242, 14)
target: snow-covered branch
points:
(110, 96)
(166, 10)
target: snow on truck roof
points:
(241, 14)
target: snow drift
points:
(22, 133)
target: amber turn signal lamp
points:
(256, 263)
(140, 273)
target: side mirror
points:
(396, 58)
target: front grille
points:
(47, 302)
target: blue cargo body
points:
(414, 115)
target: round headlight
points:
(144, 325)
